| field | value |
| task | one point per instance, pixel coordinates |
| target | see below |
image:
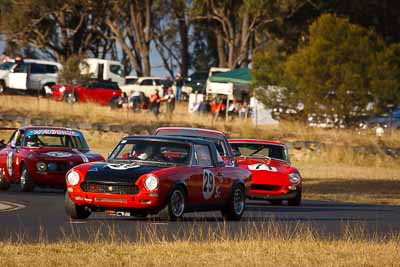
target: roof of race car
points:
(199, 131)
(169, 138)
(255, 141)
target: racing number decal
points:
(208, 184)
(10, 163)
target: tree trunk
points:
(220, 48)
(243, 60)
(183, 33)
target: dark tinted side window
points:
(43, 68)
(147, 82)
(51, 69)
(158, 82)
(21, 68)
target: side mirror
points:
(220, 164)
(12, 70)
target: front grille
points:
(118, 189)
(62, 166)
(265, 187)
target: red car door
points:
(207, 180)
(10, 156)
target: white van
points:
(31, 74)
(215, 88)
(104, 69)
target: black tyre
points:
(26, 182)
(175, 207)
(75, 211)
(276, 202)
(114, 103)
(296, 201)
(4, 184)
(70, 97)
(237, 203)
(2, 87)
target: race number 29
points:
(208, 184)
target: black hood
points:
(117, 172)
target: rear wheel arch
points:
(3, 86)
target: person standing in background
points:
(178, 85)
(155, 101)
(170, 102)
(167, 83)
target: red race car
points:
(158, 175)
(42, 156)
(274, 179)
(102, 92)
(218, 138)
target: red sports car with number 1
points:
(274, 179)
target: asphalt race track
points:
(40, 214)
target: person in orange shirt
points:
(155, 101)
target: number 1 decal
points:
(208, 184)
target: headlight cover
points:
(294, 177)
(73, 177)
(151, 182)
(41, 166)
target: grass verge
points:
(266, 245)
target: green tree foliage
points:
(58, 28)
(330, 73)
(71, 72)
(340, 70)
(385, 83)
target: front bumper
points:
(104, 201)
(284, 193)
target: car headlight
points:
(151, 182)
(62, 89)
(41, 166)
(294, 177)
(73, 177)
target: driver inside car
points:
(33, 141)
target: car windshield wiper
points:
(120, 161)
(152, 162)
(258, 150)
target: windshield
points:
(152, 151)
(55, 138)
(6, 66)
(261, 150)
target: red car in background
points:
(218, 138)
(42, 156)
(274, 179)
(102, 92)
(162, 175)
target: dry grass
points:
(265, 245)
(89, 112)
(358, 184)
